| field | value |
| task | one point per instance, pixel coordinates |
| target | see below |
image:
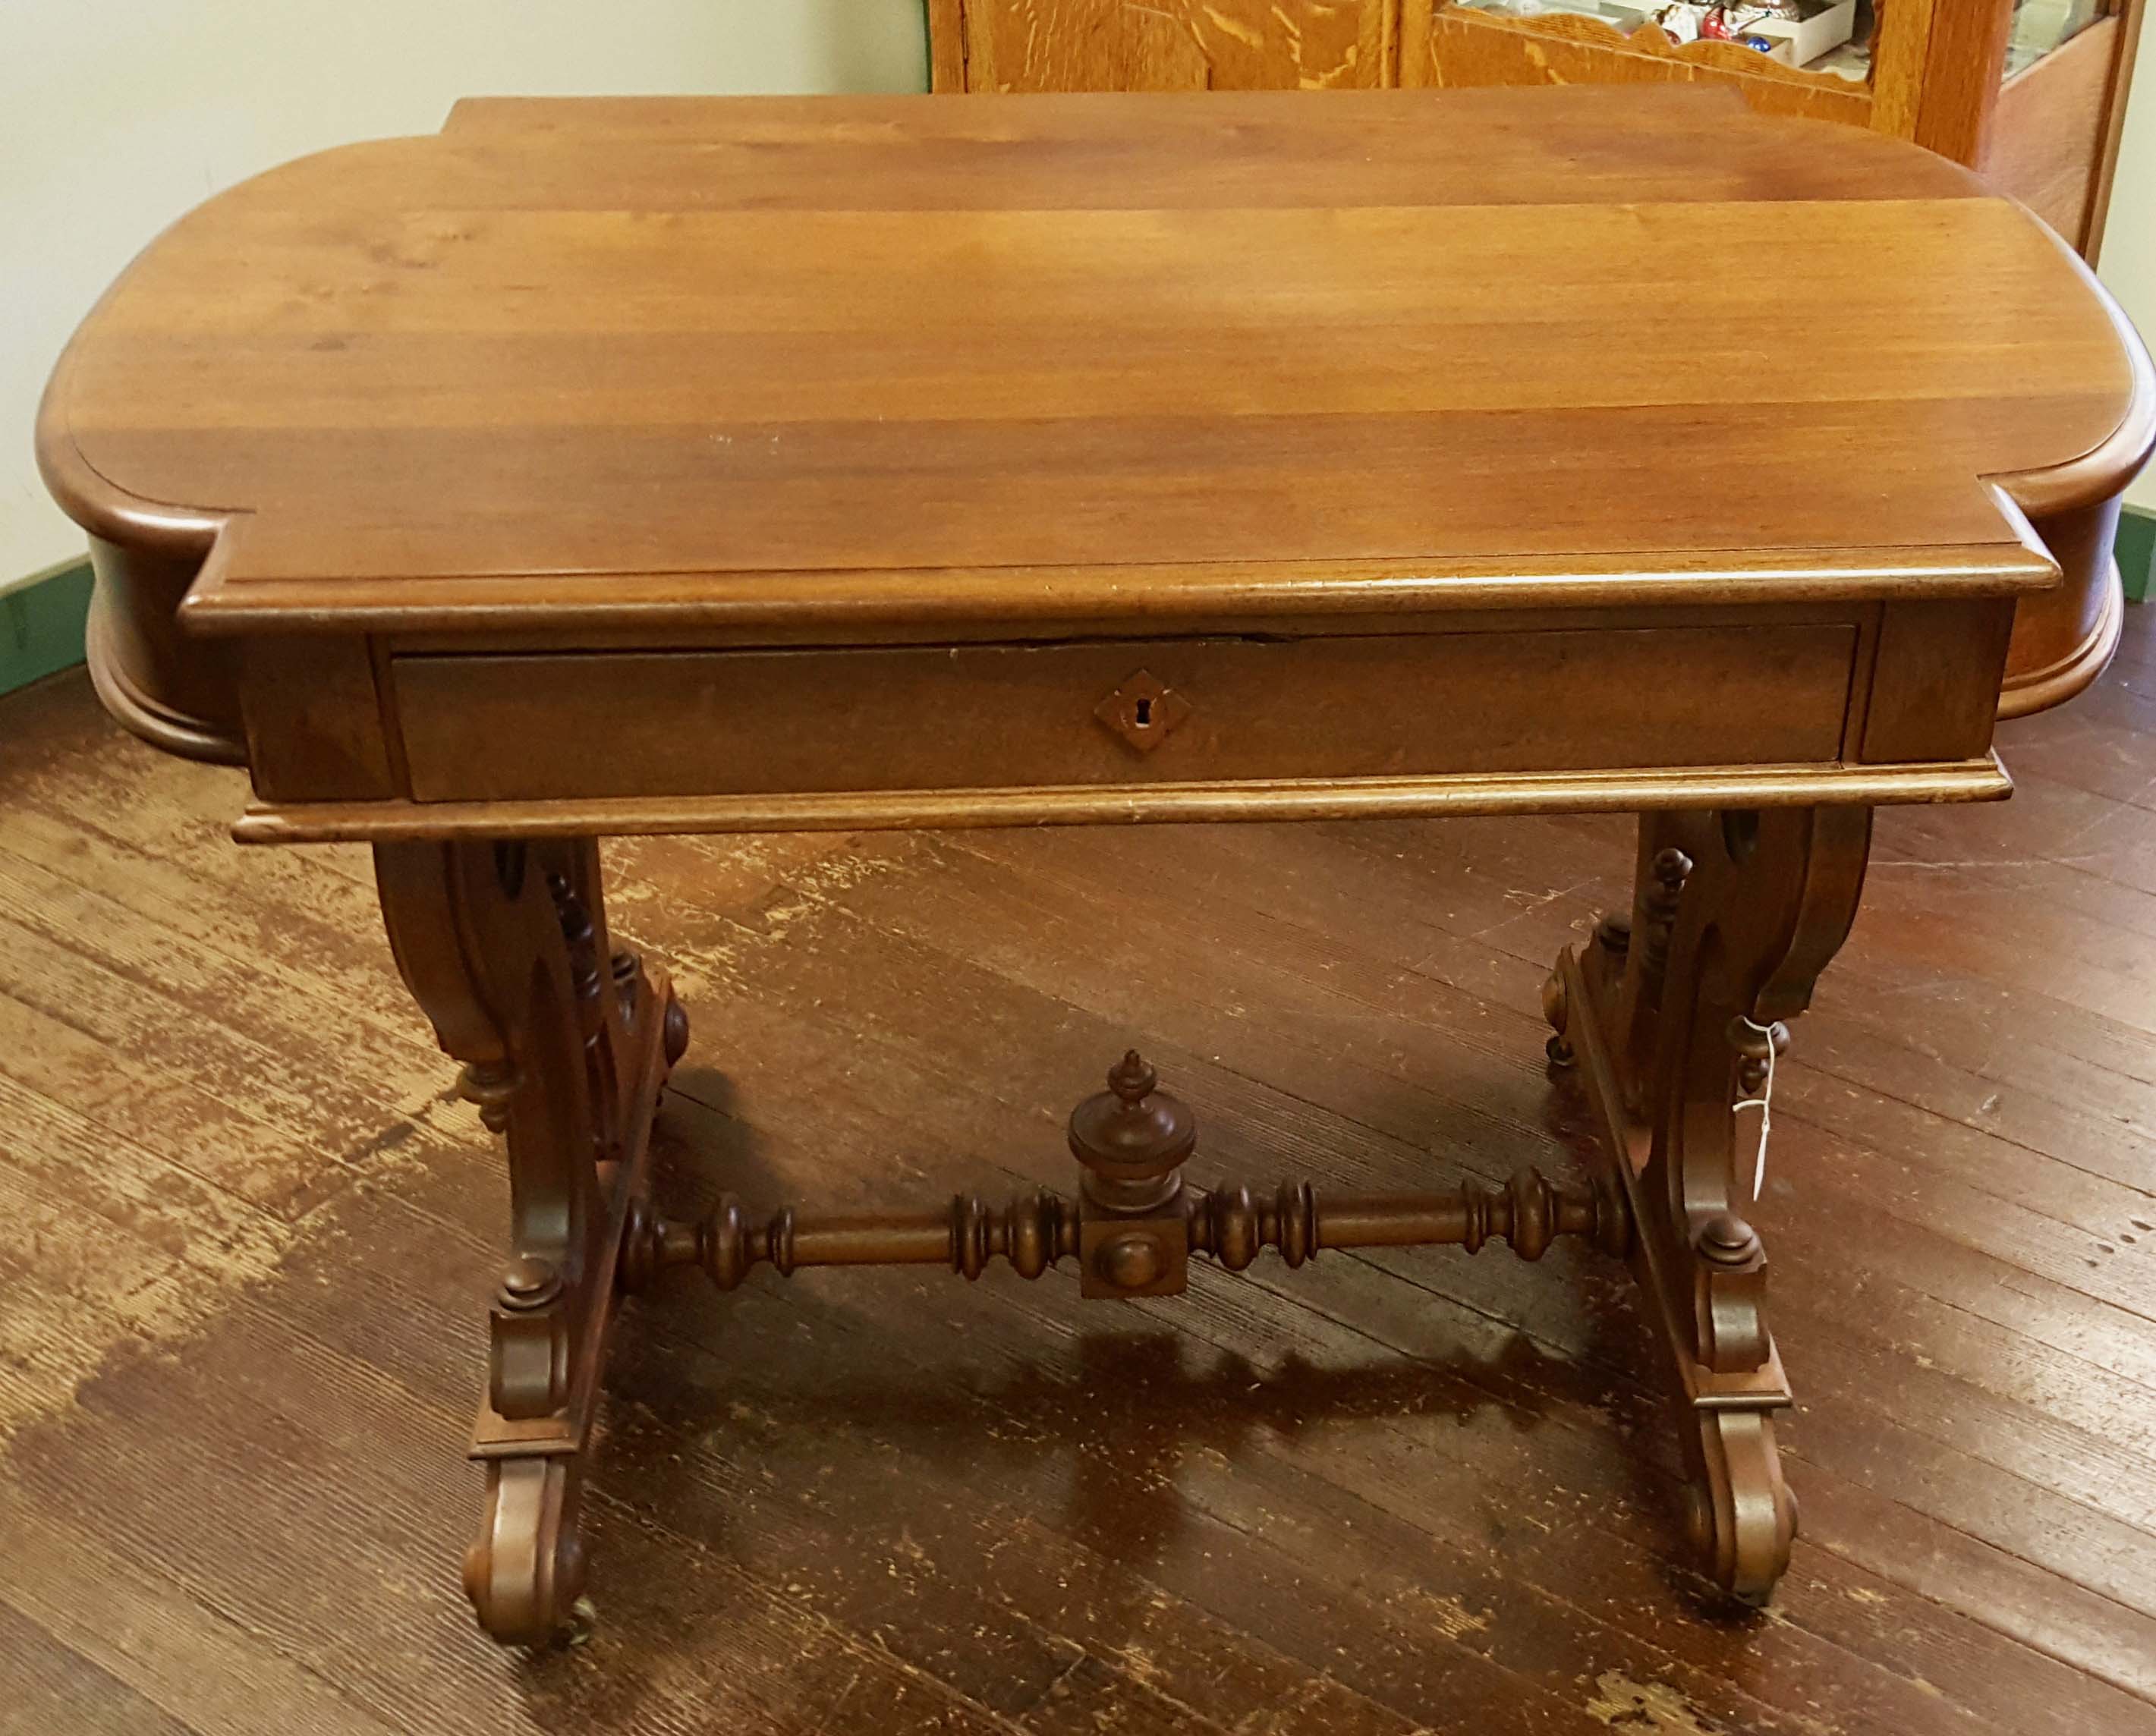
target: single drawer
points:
(689, 723)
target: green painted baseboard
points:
(2136, 549)
(41, 625)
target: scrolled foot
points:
(1743, 1515)
(525, 1573)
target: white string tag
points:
(1763, 1102)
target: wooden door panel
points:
(1029, 45)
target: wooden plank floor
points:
(246, 1229)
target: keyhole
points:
(1144, 718)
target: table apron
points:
(1117, 714)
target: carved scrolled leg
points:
(1734, 917)
(502, 945)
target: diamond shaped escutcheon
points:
(1145, 711)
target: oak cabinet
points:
(1012, 45)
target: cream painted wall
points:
(2128, 263)
(116, 116)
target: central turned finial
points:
(1133, 1078)
(1132, 1133)
(1132, 1139)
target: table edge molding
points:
(1979, 780)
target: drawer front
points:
(689, 723)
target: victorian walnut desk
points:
(613, 467)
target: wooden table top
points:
(779, 361)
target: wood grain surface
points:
(480, 728)
(244, 1220)
(712, 340)
(1037, 45)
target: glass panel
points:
(1625, 18)
(2040, 26)
(1822, 35)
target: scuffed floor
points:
(246, 1230)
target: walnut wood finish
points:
(1738, 913)
(1316, 708)
(616, 468)
(2049, 138)
(565, 1043)
(1425, 378)
(1134, 1223)
(1231, 1223)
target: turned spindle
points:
(1753, 1043)
(1134, 1224)
(1529, 1212)
(1032, 1231)
(1671, 869)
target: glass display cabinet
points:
(2028, 91)
(2054, 133)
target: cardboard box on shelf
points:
(1824, 26)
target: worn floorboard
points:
(245, 1230)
